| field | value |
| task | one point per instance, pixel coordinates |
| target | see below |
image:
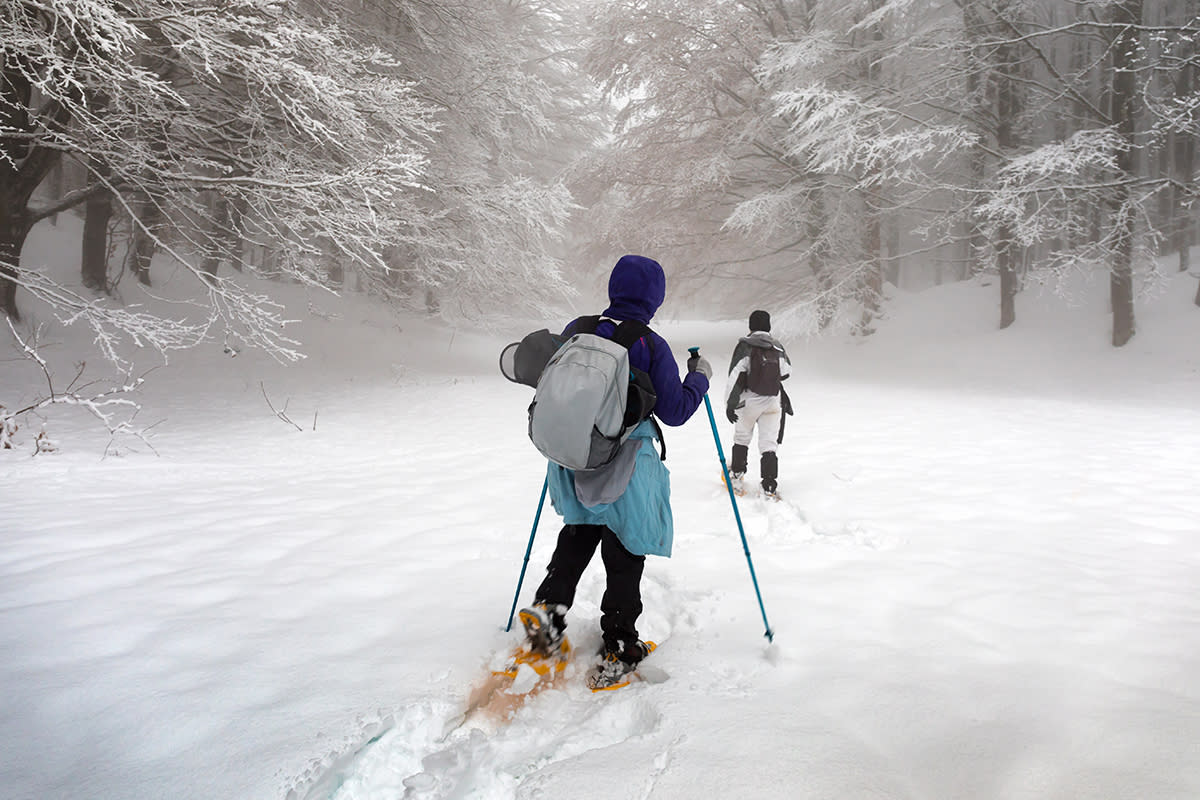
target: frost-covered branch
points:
(112, 407)
(369, 134)
(281, 413)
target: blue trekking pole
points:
(770, 634)
(529, 549)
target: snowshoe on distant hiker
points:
(616, 668)
(737, 469)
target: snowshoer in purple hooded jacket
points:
(639, 521)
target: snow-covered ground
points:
(983, 580)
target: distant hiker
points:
(755, 396)
(625, 506)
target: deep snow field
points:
(984, 577)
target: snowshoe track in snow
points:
(432, 751)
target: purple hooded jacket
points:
(636, 288)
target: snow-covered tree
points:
(513, 111)
(695, 137)
(865, 93)
(808, 147)
(309, 130)
(1083, 194)
(773, 144)
(171, 104)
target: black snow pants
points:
(622, 601)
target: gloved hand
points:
(699, 363)
(731, 415)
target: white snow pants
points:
(761, 410)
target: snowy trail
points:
(996, 622)
(973, 595)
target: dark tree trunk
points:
(236, 246)
(818, 260)
(335, 273)
(142, 245)
(218, 244)
(871, 287)
(1121, 279)
(975, 239)
(1185, 163)
(1164, 212)
(14, 227)
(1124, 91)
(23, 167)
(93, 262)
(891, 272)
(1007, 108)
(1008, 276)
(15, 94)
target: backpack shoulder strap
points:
(629, 331)
(627, 335)
(585, 324)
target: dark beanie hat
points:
(760, 321)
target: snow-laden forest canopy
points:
(484, 159)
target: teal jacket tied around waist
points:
(640, 517)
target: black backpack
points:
(764, 371)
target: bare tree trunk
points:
(1128, 13)
(871, 287)
(19, 177)
(1008, 276)
(1164, 212)
(142, 245)
(892, 263)
(1080, 56)
(14, 227)
(1185, 162)
(56, 186)
(975, 240)
(238, 212)
(335, 273)
(819, 261)
(218, 235)
(93, 261)
(1007, 107)
(1182, 222)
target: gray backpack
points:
(588, 398)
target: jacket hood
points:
(636, 288)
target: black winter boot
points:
(769, 471)
(741, 455)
